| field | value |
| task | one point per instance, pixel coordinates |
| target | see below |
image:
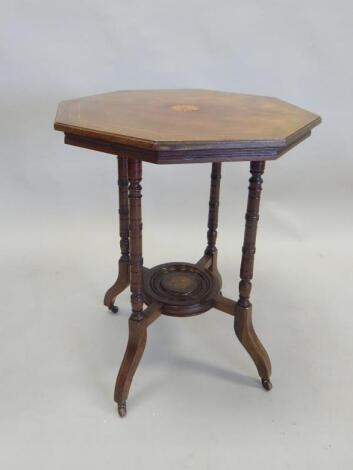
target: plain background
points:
(196, 402)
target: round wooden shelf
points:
(184, 289)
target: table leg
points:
(136, 260)
(209, 260)
(139, 319)
(133, 354)
(123, 279)
(243, 315)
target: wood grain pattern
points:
(167, 124)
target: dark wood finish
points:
(133, 354)
(181, 126)
(136, 260)
(249, 245)
(224, 304)
(245, 332)
(166, 157)
(213, 209)
(183, 289)
(243, 315)
(123, 279)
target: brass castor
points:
(113, 308)
(122, 409)
(266, 383)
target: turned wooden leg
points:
(135, 226)
(123, 279)
(139, 320)
(243, 313)
(209, 260)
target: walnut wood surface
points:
(175, 126)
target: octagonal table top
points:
(178, 126)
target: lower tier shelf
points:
(184, 289)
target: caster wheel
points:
(266, 383)
(114, 309)
(122, 409)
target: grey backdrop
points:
(195, 402)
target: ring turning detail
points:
(184, 289)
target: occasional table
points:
(175, 127)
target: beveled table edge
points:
(136, 142)
(180, 156)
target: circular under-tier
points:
(184, 289)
